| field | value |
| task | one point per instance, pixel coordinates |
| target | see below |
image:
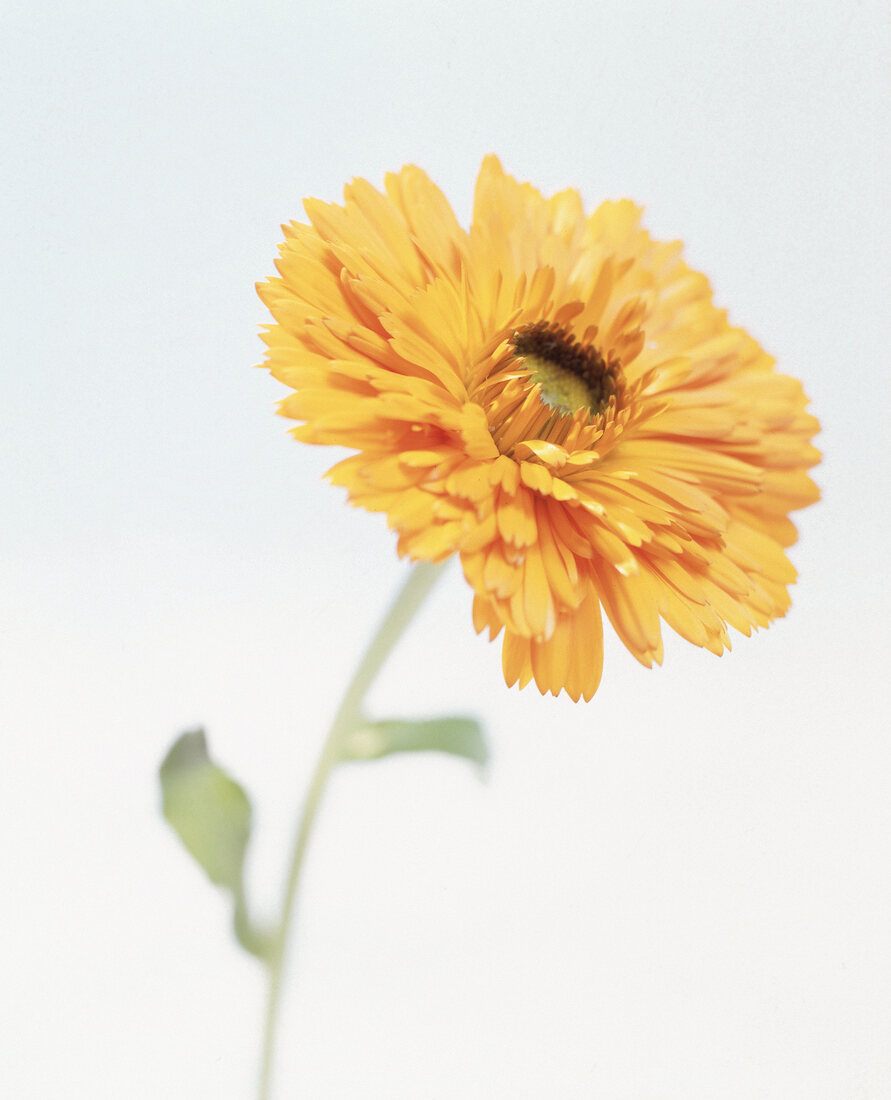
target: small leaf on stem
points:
(457, 735)
(211, 814)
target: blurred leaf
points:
(207, 808)
(456, 735)
(211, 814)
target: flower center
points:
(571, 375)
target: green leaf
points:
(207, 808)
(456, 735)
(211, 814)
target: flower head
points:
(554, 398)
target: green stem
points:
(409, 599)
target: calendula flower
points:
(554, 398)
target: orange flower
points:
(554, 398)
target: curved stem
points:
(409, 599)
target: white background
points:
(680, 891)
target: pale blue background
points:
(677, 892)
